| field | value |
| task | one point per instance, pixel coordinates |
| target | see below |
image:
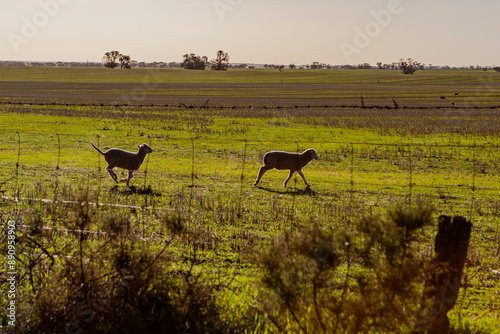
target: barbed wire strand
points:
(45, 200)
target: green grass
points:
(368, 160)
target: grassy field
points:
(193, 215)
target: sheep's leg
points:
(130, 177)
(262, 170)
(303, 177)
(289, 177)
(112, 173)
(125, 178)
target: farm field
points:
(244, 88)
(194, 223)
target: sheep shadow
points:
(290, 191)
(133, 190)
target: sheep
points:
(442, 97)
(284, 160)
(116, 157)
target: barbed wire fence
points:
(136, 103)
(353, 155)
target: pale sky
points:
(439, 32)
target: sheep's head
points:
(311, 153)
(145, 148)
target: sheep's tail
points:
(97, 148)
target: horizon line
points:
(248, 63)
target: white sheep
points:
(285, 160)
(130, 161)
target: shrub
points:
(409, 66)
(360, 280)
(111, 281)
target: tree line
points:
(195, 62)
(190, 61)
(115, 58)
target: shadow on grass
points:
(133, 190)
(290, 191)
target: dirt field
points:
(384, 95)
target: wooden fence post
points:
(443, 282)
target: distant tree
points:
(379, 64)
(292, 66)
(497, 68)
(194, 62)
(124, 61)
(409, 66)
(109, 59)
(316, 65)
(220, 63)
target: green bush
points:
(361, 280)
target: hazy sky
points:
(453, 32)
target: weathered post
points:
(442, 285)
